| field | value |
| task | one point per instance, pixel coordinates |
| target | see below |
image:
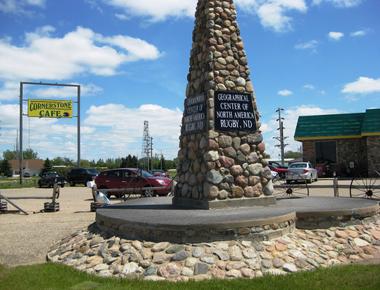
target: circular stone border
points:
(96, 252)
(156, 219)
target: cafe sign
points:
(50, 108)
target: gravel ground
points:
(26, 239)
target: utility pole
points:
(281, 138)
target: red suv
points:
(134, 180)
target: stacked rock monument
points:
(221, 156)
(221, 167)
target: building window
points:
(325, 152)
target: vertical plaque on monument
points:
(194, 116)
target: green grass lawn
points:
(7, 183)
(52, 276)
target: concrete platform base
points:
(156, 219)
(220, 204)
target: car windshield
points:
(298, 165)
(52, 175)
(92, 171)
(146, 174)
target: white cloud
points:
(285, 93)
(273, 14)
(335, 35)
(20, 7)
(46, 57)
(40, 3)
(122, 16)
(156, 10)
(339, 3)
(49, 137)
(363, 86)
(119, 129)
(312, 45)
(66, 92)
(358, 33)
(94, 4)
(290, 123)
(10, 91)
(137, 48)
(309, 87)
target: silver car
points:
(301, 171)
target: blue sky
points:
(132, 57)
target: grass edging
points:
(55, 276)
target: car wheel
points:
(62, 185)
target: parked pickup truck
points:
(49, 178)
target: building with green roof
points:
(345, 143)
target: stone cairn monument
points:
(221, 157)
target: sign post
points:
(47, 109)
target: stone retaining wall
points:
(104, 255)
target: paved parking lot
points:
(26, 239)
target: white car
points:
(301, 171)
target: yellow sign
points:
(50, 108)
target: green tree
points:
(100, 163)
(124, 163)
(47, 166)
(9, 155)
(130, 162)
(293, 154)
(135, 162)
(266, 156)
(84, 163)
(163, 163)
(27, 154)
(30, 154)
(62, 161)
(5, 168)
